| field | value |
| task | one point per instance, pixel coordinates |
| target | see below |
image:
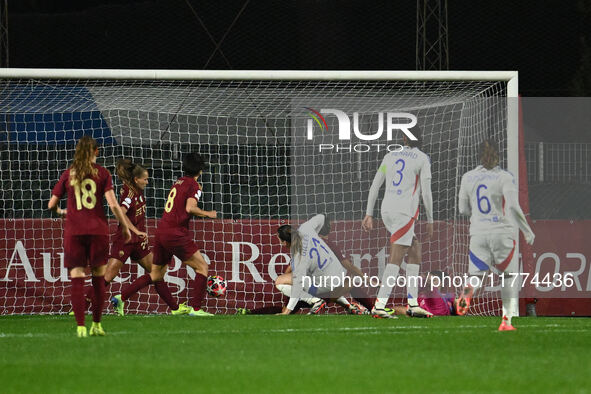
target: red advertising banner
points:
(561, 251)
(247, 254)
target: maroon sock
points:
(164, 293)
(98, 284)
(135, 286)
(267, 310)
(107, 284)
(199, 288)
(300, 305)
(88, 297)
(89, 294)
(361, 295)
(368, 303)
(77, 299)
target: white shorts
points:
(401, 228)
(491, 250)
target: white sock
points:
(391, 272)
(311, 300)
(412, 284)
(509, 297)
(286, 290)
(342, 301)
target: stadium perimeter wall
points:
(246, 254)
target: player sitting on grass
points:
(173, 237)
(86, 237)
(407, 175)
(133, 204)
(489, 195)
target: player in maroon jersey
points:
(133, 205)
(173, 237)
(86, 236)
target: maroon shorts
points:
(171, 244)
(82, 250)
(122, 251)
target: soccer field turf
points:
(294, 354)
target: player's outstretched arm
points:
(114, 206)
(57, 193)
(315, 223)
(464, 200)
(378, 180)
(351, 268)
(192, 209)
(130, 225)
(53, 205)
(299, 271)
(427, 196)
(511, 197)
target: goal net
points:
(263, 171)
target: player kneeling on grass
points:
(317, 265)
(173, 237)
(86, 237)
(284, 284)
(133, 205)
(489, 195)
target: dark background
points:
(547, 42)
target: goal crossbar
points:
(113, 74)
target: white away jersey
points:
(485, 194)
(407, 175)
(316, 258)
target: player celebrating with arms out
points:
(173, 237)
(407, 174)
(133, 206)
(86, 238)
(490, 196)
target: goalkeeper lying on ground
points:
(432, 299)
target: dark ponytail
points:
(284, 233)
(292, 238)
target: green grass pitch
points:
(311, 354)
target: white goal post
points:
(243, 121)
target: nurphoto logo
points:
(388, 121)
